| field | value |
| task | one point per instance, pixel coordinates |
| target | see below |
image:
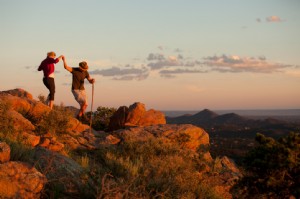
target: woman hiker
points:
(47, 66)
(78, 75)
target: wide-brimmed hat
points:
(83, 65)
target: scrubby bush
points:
(101, 117)
(54, 122)
(149, 169)
(273, 168)
(6, 121)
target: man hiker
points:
(47, 66)
(78, 75)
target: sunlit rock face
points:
(20, 180)
(135, 115)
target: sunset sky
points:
(167, 54)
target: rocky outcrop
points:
(135, 115)
(20, 180)
(24, 112)
(186, 135)
(19, 93)
(133, 124)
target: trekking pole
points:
(92, 108)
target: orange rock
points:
(19, 180)
(45, 142)
(118, 120)
(152, 117)
(30, 139)
(4, 152)
(135, 113)
(56, 146)
(112, 140)
(19, 93)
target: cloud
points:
(171, 66)
(153, 56)
(172, 73)
(258, 20)
(273, 19)
(237, 64)
(128, 73)
(159, 61)
(132, 77)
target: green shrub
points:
(101, 117)
(6, 121)
(273, 168)
(150, 169)
(19, 151)
(54, 122)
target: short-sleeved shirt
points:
(47, 66)
(78, 78)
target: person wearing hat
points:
(47, 66)
(78, 75)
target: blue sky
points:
(170, 55)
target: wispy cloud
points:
(274, 19)
(159, 61)
(270, 19)
(237, 64)
(127, 73)
(171, 73)
(171, 66)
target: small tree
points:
(102, 117)
(273, 168)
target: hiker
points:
(78, 76)
(47, 66)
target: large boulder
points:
(135, 115)
(135, 112)
(19, 93)
(118, 120)
(20, 122)
(25, 105)
(20, 180)
(64, 172)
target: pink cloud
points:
(273, 19)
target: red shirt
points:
(47, 66)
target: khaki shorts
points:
(80, 96)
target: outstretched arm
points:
(60, 57)
(68, 68)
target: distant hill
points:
(232, 122)
(208, 118)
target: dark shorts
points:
(49, 83)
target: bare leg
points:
(82, 110)
(51, 102)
